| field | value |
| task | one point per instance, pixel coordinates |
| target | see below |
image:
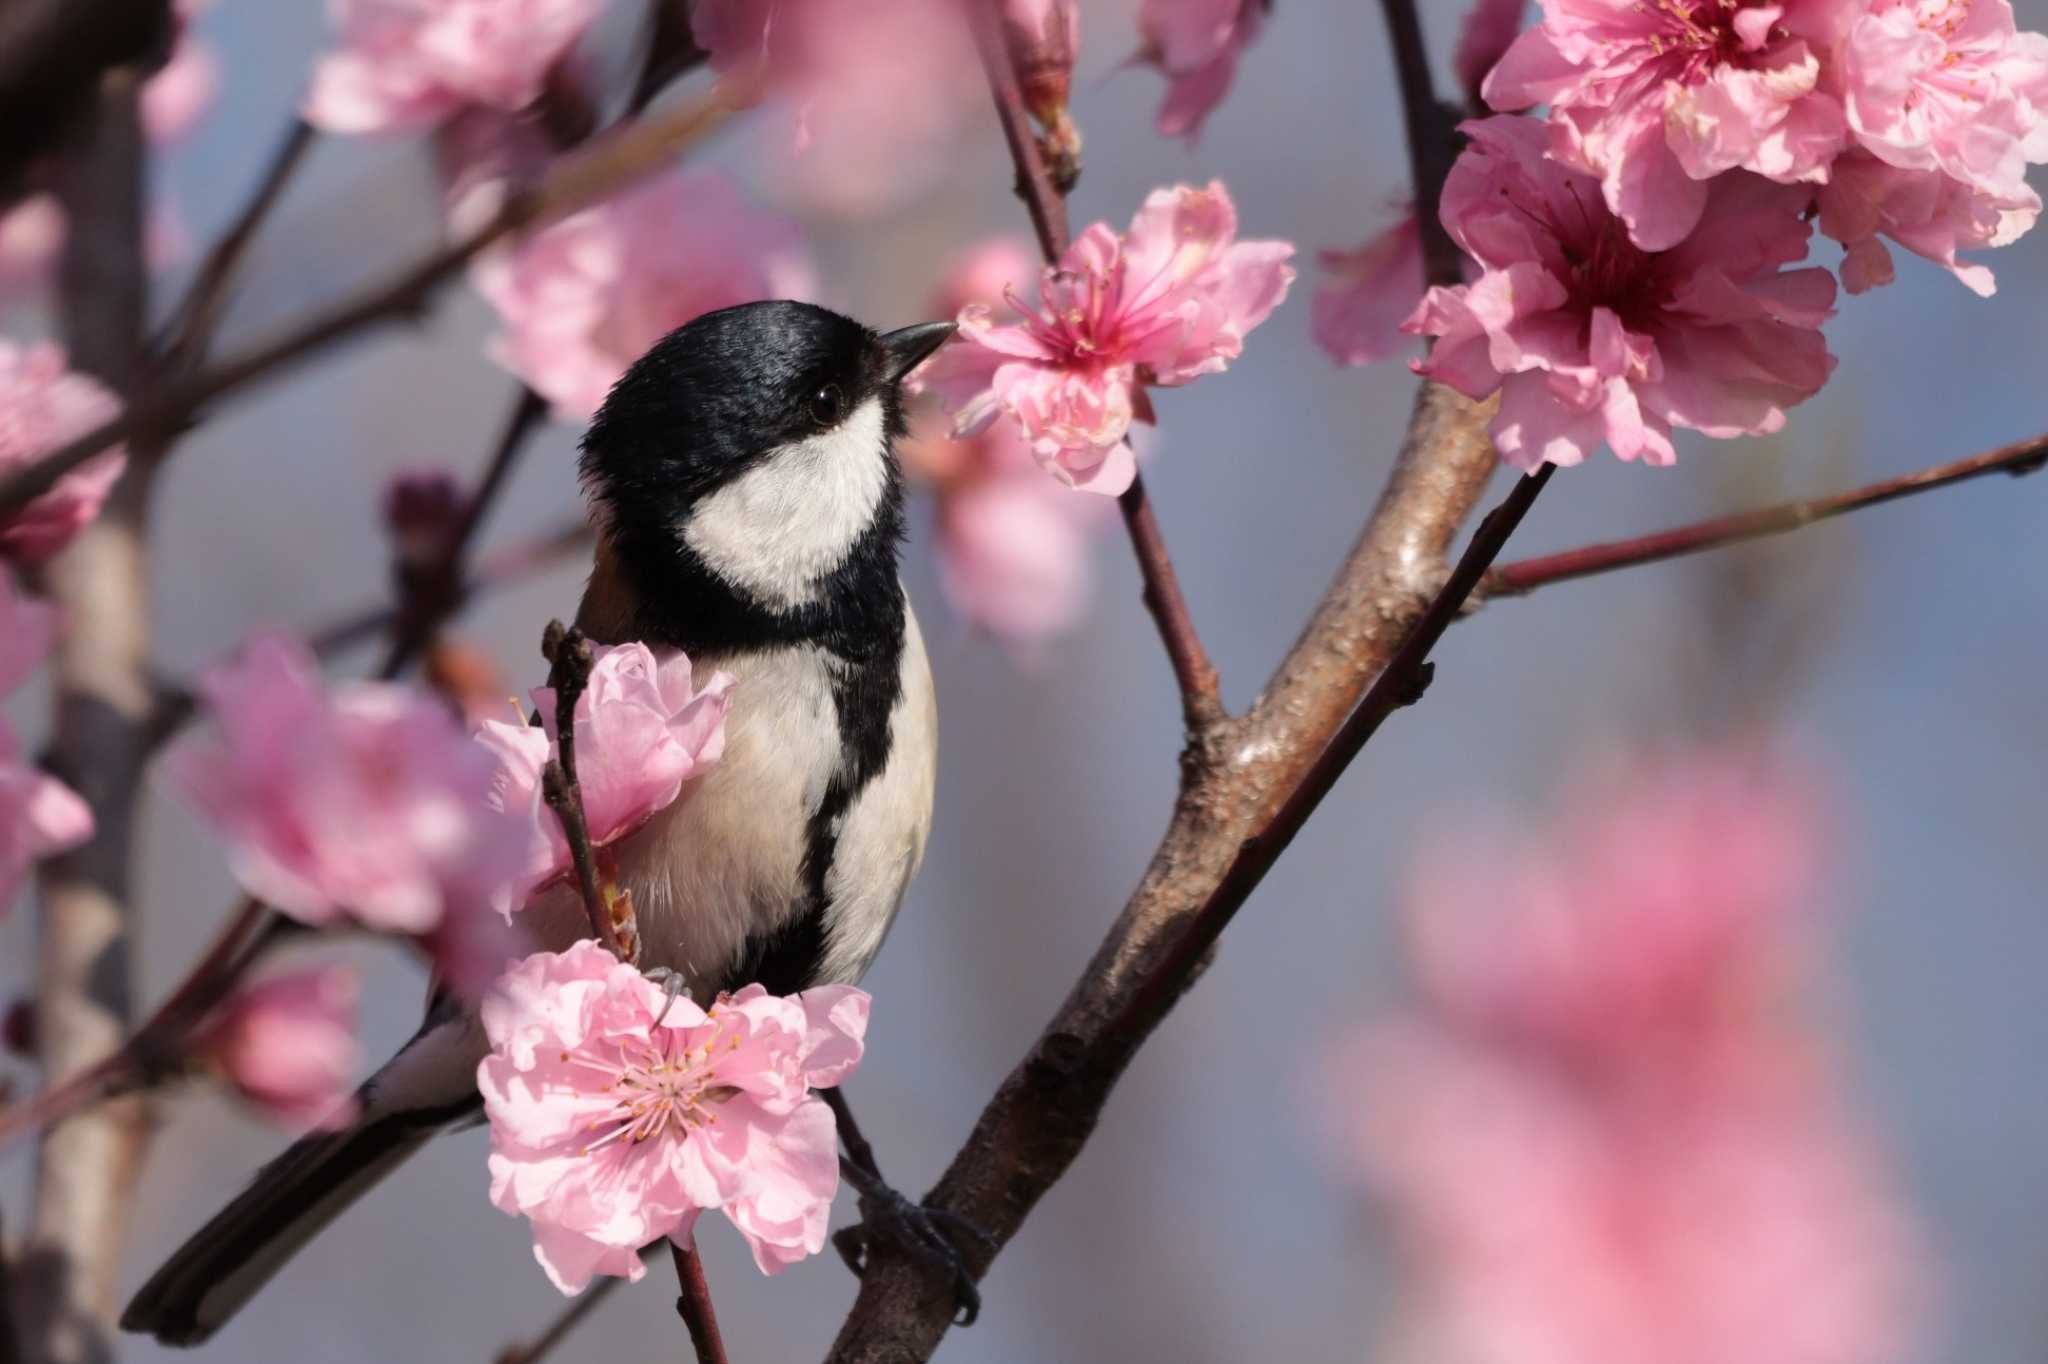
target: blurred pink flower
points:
(643, 730)
(288, 1045)
(1656, 99)
(422, 508)
(619, 1114)
(481, 156)
(364, 801)
(175, 97)
(579, 301)
(874, 96)
(1602, 1135)
(27, 629)
(43, 405)
(1196, 45)
(1587, 337)
(399, 65)
(1168, 302)
(31, 238)
(39, 815)
(1367, 295)
(1490, 28)
(1044, 39)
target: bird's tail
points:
(424, 1089)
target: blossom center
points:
(1699, 35)
(1607, 270)
(656, 1090)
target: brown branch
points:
(87, 1166)
(610, 164)
(1526, 575)
(1201, 698)
(436, 591)
(558, 1330)
(189, 335)
(153, 1050)
(693, 1304)
(1236, 779)
(1432, 140)
(53, 57)
(569, 662)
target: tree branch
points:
(188, 336)
(693, 1304)
(1432, 140)
(1236, 780)
(610, 164)
(611, 920)
(1201, 699)
(558, 1330)
(1526, 575)
(87, 1166)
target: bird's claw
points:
(932, 1236)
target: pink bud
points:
(422, 508)
(288, 1045)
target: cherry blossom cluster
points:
(1613, 299)
(1605, 1131)
(1162, 304)
(620, 1112)
(1012, 545)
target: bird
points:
(743, 483)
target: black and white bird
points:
(745, 488)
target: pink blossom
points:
(1948, 85)
(1164, 304)
(482, 155)
(1604, 1133)
(1588, 337)
(43, 405)
(1657, 99)
(31, 239)
(579, 301)
(1196, 45)
(1367, 294)
(1013, 546)
(1945, 102)
(643, 731)
(872, 98)
(175, 97)
(619, 1114)
(1927, 212)
(288, 1045)
(399, 65)
(364, 801)
(1489, 30)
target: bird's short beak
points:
(907, 347)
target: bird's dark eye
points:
(828, 404)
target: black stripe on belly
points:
(864, 695)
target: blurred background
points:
(1897, 652)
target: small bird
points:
(744, 485)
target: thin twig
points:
(610, 164)
(558, 1330)
(569, 662)
(1432, 146)
(185, 340)
(693, 1304)
(436, 591)
(1526, 575)
(1400, 684)
(151, 1051)
(1201, 699)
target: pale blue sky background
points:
(1903, 649)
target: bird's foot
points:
(931, 1236)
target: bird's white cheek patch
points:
(781, 527)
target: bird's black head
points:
(751, 451)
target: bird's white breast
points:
(781, 527)
(725, 862)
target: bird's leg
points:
(931, 1235)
